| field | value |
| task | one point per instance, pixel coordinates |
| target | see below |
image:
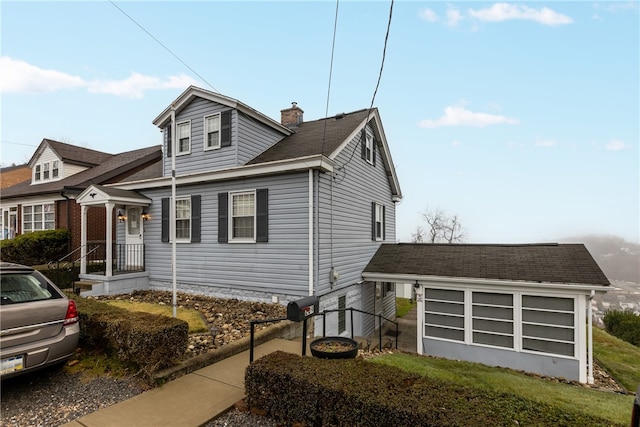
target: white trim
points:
(182, 153)
(206, 134)
(310, 235)
(263, 169)
(230, 216)
(182, 239)
(368, 144)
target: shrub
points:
(150, 341)
(623, 324)
(315, 392)
(35, 248)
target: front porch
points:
(117, 264)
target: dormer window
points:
(184, 138)
(36, 176)
(212, 132)
(55, 170)
(45, 171)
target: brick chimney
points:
(291, 117)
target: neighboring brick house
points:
(58, 172)
(265, 210)
(12, 175)
(525, 307)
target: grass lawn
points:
(192, 317)
(612, 406)
(620, 358)
(403, 305)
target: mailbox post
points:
(299, 311)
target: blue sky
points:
(520, 118)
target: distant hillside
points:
(618, 258)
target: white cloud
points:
(456, 143)
(505, 12)
(616, 145)
(21, 77)
(428, 15)
(453, 17)
(545, 143)
(460, 116)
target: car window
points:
(24, 287)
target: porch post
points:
(590, 379)
(83, 239)
(108, 272)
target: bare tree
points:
(442, 228)
(418, 235)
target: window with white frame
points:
(37, 173)
(38, 217)
(55, 169)
(548, 324)
(369, 148)
(9, 222)
(379, 222)
(212, 131)
(184, 138)
(444, 314)
(183, 219)
(243, 215)
(492, 315)
(45, 171)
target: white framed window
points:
(45, 171)
(212, 132)
(184, 138)
(55, 169)
(444, 314)
(38, 217)
(9, 222)
(243, 216)
(37, 173)
(379, 222)
(368, 149)
(492, 319)
(548, 325)
(183, 219)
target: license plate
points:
(11, 364)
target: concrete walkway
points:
(198, 397)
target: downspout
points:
(590, 340)
(172, 214)
(317, 226)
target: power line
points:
(333, 47)
(165, 48)
(384, 54)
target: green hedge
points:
(39, 247)
(150, 341)
(623, 324)
(354, 392)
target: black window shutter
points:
(373, 221)
(363, 140)
(195, 219)
(168, 138)
(165, 219)
(384, 224)
(225, 128)
(262, 215)
(223, 217)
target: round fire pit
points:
(334, 348)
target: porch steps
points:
(84, 285)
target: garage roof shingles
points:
(544, 263)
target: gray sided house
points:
(525, 307)
(264, 210)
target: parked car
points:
(39, 323)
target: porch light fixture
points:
(416, 285)
(121, 217)
(145, 215)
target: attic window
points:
(45, 171)
(212, 132)
(55, 170)
(184, 138)
(37, 173)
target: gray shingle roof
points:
(104, 173)
(322, 136)
(550, 263)
(78, 155)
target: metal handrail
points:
(72, 263)
(351, 309)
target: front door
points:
(134, 249)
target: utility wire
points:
(384, 54)
(333, 47)
(165, 48)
